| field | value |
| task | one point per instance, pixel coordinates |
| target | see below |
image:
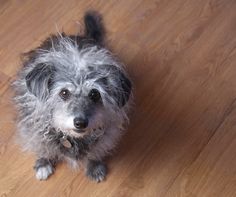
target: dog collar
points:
(65, 142)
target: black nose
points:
(80, 123)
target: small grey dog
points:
(73, 97)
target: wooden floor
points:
(182, 58)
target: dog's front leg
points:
(44, 168)
(96, 170)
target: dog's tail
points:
(93, 26)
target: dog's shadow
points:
(152, 118)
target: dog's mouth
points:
(79, 130)
(88, 130)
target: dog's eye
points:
(94, 95)
(64, 94)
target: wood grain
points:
(181, 55)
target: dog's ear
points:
(93, 26)
(39, 80)
(123, 91)
(116, 83)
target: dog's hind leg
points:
(44, 168)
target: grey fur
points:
(78, 64)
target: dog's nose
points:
(80, 123)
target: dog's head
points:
(79, 80)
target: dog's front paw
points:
(43, 173)
(43, 169)
(96, 170)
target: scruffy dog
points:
(73, 97)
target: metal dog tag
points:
(65, 142)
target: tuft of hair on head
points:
(94, 26)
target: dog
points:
(73, 97)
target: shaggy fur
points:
(71, 90)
